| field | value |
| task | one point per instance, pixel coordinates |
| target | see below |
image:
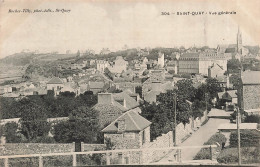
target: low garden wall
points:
(35, 148)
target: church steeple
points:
(239, 41)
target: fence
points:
(125, 155)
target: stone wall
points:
(124, 140)
(92, 147)
(166, 140)
(183, 131)
(251, 96)
(35, 148)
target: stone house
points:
(110, 106)
(250, 90)
(129, 131)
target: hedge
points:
(204, 153)
(248, 138)
(249, 155)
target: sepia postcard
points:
(129, 82)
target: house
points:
(71, 88)
(161, 60)
(155, 85)
(128, 131)
(55, 84)
(215, 70)
(156, 89)
(172, 66)
(250, 90)
(125, 100)
(199, 62)
(111, 105)
(101, 65)
(228, 98)
(96, 86)
(8, 89)
(224, 81)
(107, 108)
(119, 65)
(69, 78)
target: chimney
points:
(105, 98)
(121, 125)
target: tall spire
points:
(239, 41)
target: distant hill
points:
(22, 59)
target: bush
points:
(228, 156)
(218, 137)
(249, 155)
(204, 153)
(252, 119)
(248, 138)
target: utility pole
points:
(239, 109)
(175, 121)
(238, 136)
(206, 99)
(174, 124)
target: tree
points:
(186, 91)
(213, 87)
(82, 126)
(67, 94)
(158, 117)
(235, 79)
(10, 132)
(201, 92)
(233, 65)
(33, 120)
(198, 108)
(88, 99)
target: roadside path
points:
(198, 138)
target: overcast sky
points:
(96, 25)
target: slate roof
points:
(130, 102)
(133, 122)
(55, 80)
(108, 108)
(231, 93)
(230, 50)
(251, 77)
